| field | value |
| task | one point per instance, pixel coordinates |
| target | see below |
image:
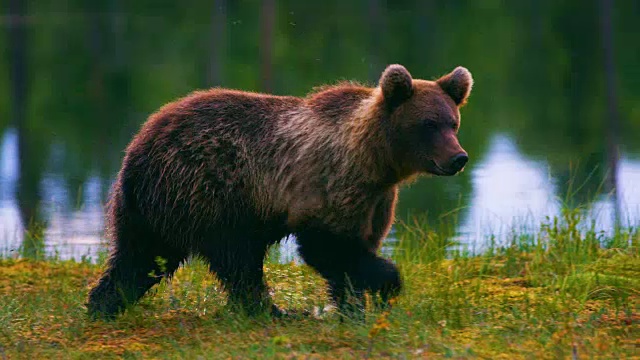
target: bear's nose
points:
(458, 161)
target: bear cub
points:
(225, 174)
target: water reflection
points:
(514, 194)
(11, 229)
(74, 232)
(629, 198)
(509, 192)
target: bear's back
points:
(221, 155)
(196, 152)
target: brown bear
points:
(224, 174)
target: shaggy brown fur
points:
(225, 174)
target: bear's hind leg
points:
(239, 267)
(138, 261)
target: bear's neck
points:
(368, 142)
(349, 119)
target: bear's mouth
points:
(436, 169)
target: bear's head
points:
(424, 118)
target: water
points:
(539, 126)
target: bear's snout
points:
(457, 162)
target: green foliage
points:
(96, 70)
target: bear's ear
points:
(396, 84)
(457, 84)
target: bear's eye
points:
(430, 125)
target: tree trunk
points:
(217, 43)
(27, 191)
(375, 28)
(267, 33)
(612, 120)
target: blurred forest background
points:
(554, 117)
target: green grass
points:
(563, 291)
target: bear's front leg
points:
(382, 218)
(350, 268)
(367, 272)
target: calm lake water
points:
(557, 91)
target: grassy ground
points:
(559, 293)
